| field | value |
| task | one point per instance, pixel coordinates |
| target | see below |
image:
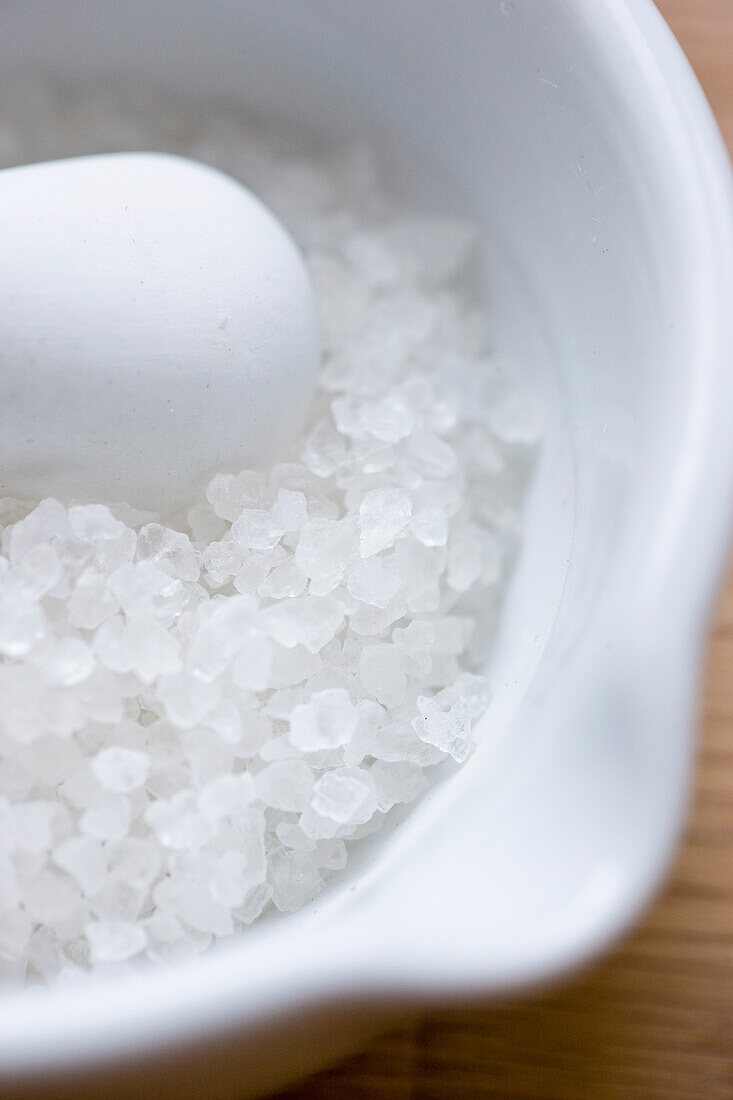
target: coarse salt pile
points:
(199, 716)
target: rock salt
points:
(201, 714)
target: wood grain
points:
(656, 1019)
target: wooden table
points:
(656, 1018)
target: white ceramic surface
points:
(157, 325)
(578, 137)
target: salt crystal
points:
(310, 621)
(118, 900)
(139, 583)
(292, 836)
(107, 818)
(383, 516)
(226, 720)
(70, 662)
(226, 796)
(286, 579)
(230, 883)
(35, 824)
(397, 782)
(187, 700)
(21, 625)
(49, 896)
(290, 510)
(380, 669)
(119, 769)
(388, 419)
(194, 905)
(223, 559)
(292, 666)
(324, 549)
(94, 521)
(49, 519)
(38, 573)
(229, 495)
(430, 525)
(137, 644)
(114, 942)
(15, 934)
(254, 904)
(44, 953)
(256, 529)
(294, 878)
(111, 553)
(465, 552)
(83, 858)
(445, 719)
(135, 862)
(252, 666)
(206, 755)
(178, 823)
(204, 523)
(347, 795)
(91, 601)
(256, 730)
(324, 450)
(285, 784)
(330, 855)
(328, 719)
(372, 581)
(170, 550)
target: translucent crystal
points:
(324, 450)
(310, 621)
(137, 644)
(119, 769)
(83, 858)
(256, 529)
(113, 942)
(195, 905)
(38, 573)
(373, 581)
(286, 579)
(347, 795)
(91, 601)
(324, 548)
(179, 823)
(107, 818)
(94, 521)
(187, 699)
(383, 516)
(285, 785)
(170, 550)
(226, 796)
(397, 782)
(48, 520)
(137, 585)
(380, 670)
(69, 663)
(229, 494)
(231, 882)
(290, 510)
(294, 878)
(328, 719)
(252, 666)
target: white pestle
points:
(157, 324)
